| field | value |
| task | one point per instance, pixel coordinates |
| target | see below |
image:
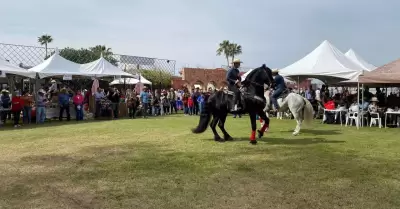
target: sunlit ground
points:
(158, 163)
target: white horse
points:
(299, 106)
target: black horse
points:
(253, 102)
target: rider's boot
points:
(234, 104)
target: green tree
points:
(157, 77)
(224, 49)
(82, 56)
(234, 49)
(45, 40)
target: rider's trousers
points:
(274, 98)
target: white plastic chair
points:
(352, 116)
(375, 119)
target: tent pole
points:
(362, 110)
(358, 97)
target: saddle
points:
(244, 95)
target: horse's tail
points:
(308, 113)
(205, 117)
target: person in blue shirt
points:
(144, 100)
(200, 101)
(280, 87)
(233, 78)
(63, 101)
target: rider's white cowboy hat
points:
(276, 70)
(374, 99)
(53, 81)
(237, 61)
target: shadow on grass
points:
(54, 123)
(318, 132)
(296, 141)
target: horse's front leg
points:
(265, 124)
(253, 128)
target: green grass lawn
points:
(158, 163)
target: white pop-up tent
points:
(326, 63)
(352, 55)
(130, 81)
(8, 68)
(102, 68)
(57, 66)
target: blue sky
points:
(273, 32)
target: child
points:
(78, 102)
(190, 105)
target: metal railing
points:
(158, 71)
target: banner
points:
(67, 77)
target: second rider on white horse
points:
(279, 87)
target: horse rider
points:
(280, 87)
(233, 78)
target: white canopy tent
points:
(130, 81)
(102, 68)
(245, 75)
(352, 55)
(326, 63)
(57, 66)
(8, 68)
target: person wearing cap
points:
(53, 88)
(280, 87)
(5, 102)
(233, 78)
(63, 102)
(41, 102)
(373, 107)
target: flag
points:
(95, 85)
(139, 86)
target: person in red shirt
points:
(17, 105)
(78, 102)
(191, 106)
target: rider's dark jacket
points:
(279, 83)
(232, 76)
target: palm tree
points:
(106, 52)
(101, 49)
(44, 40)
(224, 49)
(234, 49)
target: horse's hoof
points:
(295, 133)
(218, 139)
(260, 134)
(253, 142)
(228, 138)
